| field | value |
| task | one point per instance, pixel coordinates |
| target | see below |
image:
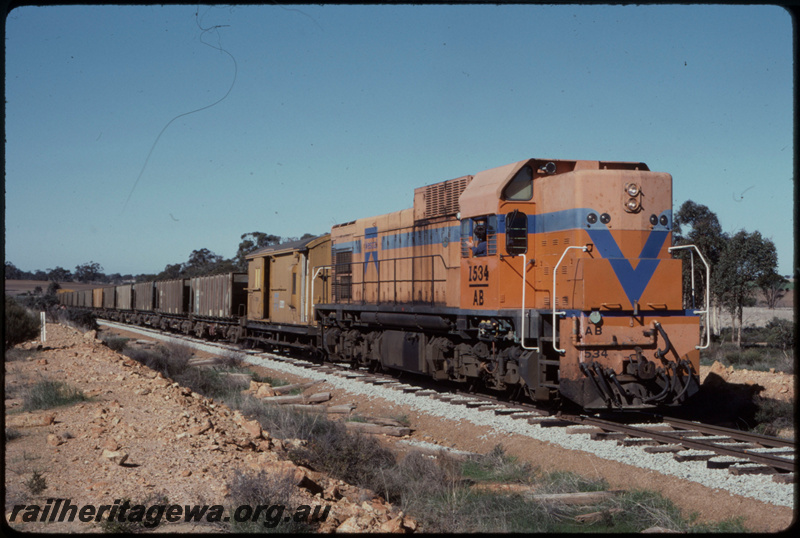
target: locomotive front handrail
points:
(553, 298)
(706, 311)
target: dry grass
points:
(46, 394)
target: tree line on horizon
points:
(201, 262)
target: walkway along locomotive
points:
(553, 277)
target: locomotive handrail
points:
(319, 268)
(522, 309)
(555, 273)
(706, 311)
(364, 282)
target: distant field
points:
(19, 287)
(758, 316)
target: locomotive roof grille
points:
(441, 199)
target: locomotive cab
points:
(571, 261)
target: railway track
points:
(722, 448)
(728, 450)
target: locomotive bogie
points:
(453, 347)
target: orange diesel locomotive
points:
(554, 277)
(550, 278)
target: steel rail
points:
(765, 440)
(674, 437)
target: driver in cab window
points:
(478, 241)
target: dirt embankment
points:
(143, 438)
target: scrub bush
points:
(20, 326)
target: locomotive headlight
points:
(632, 189)
(632, 205)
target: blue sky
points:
(135, 135)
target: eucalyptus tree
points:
(747, 261)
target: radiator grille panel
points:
(442, 198)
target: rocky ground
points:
(773, 385)
(142, 437)
(146, 439)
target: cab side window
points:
(479, 236)
(520, 187)
(516, 233)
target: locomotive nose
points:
(644, 378)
